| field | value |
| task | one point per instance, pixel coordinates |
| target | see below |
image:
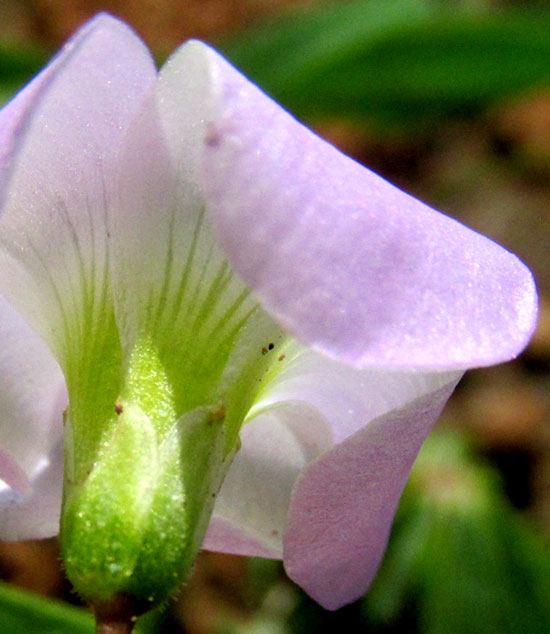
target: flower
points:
(191, 266)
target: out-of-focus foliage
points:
(22, 612)
(398, 62)
(395, 61)
(18, 64)
(25, 613)
(459, 553)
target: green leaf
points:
(18, 64)
(459, 555)
(25, 613)
(395, 61)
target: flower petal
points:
(13, 118)
(32, 399)
(36, 514)
(53, 226)
(346, 397)
(171, 277)
(172, 283)
(224, 537)
(12, 476)
(308, 414)
(346, 262)
(18, 113)
(343, 504)
(251, 508)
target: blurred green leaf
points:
(395, 61)
(460, 554)
(18, 64)
(24, 613)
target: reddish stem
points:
(117, 616)
(114, 628)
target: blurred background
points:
(450, 100)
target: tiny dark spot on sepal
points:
(217, 415)
(119, 407)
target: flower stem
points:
(118, 615)
(114, 628)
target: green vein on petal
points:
(182, 306)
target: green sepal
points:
(137, 522)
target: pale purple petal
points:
(12, 124)
(345, 261)
(321, 428)
(346, 397)
(12, 475)
(343, 504)
(33, 397)
(35, 515)
(15, 116)
(251, 508)
(53, 227)
(170, 276)
(226, 537)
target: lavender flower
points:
(218, 296)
